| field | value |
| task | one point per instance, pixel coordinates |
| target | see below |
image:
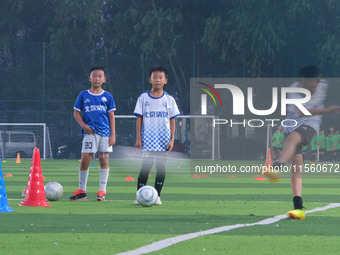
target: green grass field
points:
(189, 205)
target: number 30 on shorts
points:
(88, 145)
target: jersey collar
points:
(156, 97)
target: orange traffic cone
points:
(269, 161)
(129, 178)
(35, 193)
(18, 158)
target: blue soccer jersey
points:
(156, 113)
(95, 110)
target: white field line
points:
(177, 239)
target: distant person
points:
(320, 140)
(277, 142)
(156, 111)
(94, 112)
(314, 148)
(302, 133)
(336, 145)
(329, 146)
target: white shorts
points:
(94, 142)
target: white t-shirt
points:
(156, 113)
(316, 102)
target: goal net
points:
(22, 138)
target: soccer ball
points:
(147, 196)
(53, 191)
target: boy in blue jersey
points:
(156, 111)
(301, 134)
(98, 128)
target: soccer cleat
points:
(158, 201)
(269, 171)
(271, 176)
(296, 214)
(78, 194)
(101, 195)
(136, 202)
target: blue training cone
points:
(4, 207)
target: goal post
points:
(22, 138)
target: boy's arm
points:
(330, 109)
(172, 130)
(139, 131)
(273, 139)
(81, 123)
(317, 142)
(336, 145)
(112, 121)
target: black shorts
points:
(307, 133)
(276, 149)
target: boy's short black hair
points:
(309, 72)
(97, 68)
(160, 69)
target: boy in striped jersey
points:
(156, 111)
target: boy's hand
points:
(170, 145)
(112, 140)
(88, 130)
(139, 143)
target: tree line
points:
(48, 46)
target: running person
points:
(301, 134)
(156, 111)
(98, 128)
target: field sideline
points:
(189, 205)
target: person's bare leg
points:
(103, 171)
(83, 176)
(296, 175)
(84, 170)
(85, 161)
(289, 147)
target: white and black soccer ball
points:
(147, 196)
(53, 191)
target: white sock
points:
(103, 177)
(83, 179)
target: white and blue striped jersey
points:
(156, 113)
(95, 110)
(316, 102)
